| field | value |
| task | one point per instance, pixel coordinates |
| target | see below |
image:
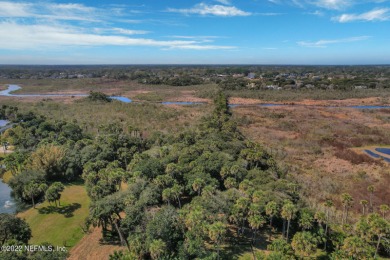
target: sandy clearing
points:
(2, 151)
(91, 248)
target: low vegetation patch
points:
(59, 225)
(355, 158)
(98, 96)
(151, 96)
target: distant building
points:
(360, 87)
(272, 87)
(251, 75)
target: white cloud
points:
(26, 37)
(317, 13)
(325, 43)
(202, 47)
(195, 37)
(10, 9)
(216, 10)
(225, 2)
(129, 32)
(50, 26)
(76, 12)
(382, 14)
(333, 4)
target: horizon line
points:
(199, 64)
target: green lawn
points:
(59, 226)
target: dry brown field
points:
(322, 147)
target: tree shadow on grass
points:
(242, 243)
(67, 210)
(237, 244)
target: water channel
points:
(12, 88)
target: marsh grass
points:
(151, 96)
(147, 117)
(317, 94)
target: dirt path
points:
(2, 151)
(91, 248)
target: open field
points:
(317, 146)
(59, 226)
(298, 95)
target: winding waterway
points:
(12, 88)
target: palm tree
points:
(355, 247)
(157, 248)
(230, 183)
(254, 209)
(234, 170)
(306, 219)
(167, 195)
(320, 217)
(258, 196)
(271, 209)
(255, 222)
(384, 209)
(288, 212)
(347, 201)
(328, 204)
(225, 172)
(198, 184)
(364, 205)
(33, 189)
(216, 232)
(172, 169)
(371, 190)
(177, 190)
(379, 227)
(304, 244)
(240, 212)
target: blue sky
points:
(195, 32)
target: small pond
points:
(7, 203)
(377, 156)
(383, 150)
(3, 122)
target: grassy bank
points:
(59, 226)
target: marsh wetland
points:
(228, 147)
